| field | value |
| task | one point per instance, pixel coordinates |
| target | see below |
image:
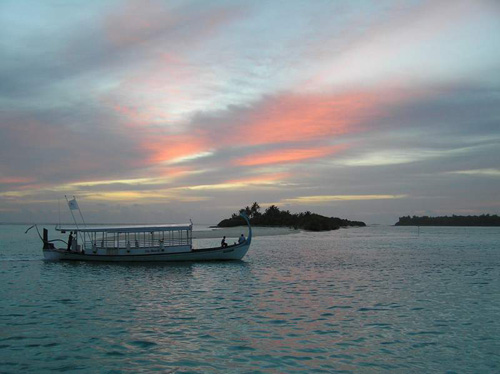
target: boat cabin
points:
(161, 238)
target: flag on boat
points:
(73, 205)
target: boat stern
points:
(50, 254)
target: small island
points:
(482, 220)
(275, 217)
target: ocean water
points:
(362, 300)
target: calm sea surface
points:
(363, 300)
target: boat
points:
(159, 243)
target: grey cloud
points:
(104, 45)
(55, 148)
(465, 109)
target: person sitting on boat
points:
(241, 239)
(223, 243)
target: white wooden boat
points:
(138, 243)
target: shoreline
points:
(235, 232)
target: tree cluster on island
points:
(275, 217)
(482, 220)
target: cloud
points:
(286, 120)
(245, 183)
(478, 172)
(16, 180)
(287, 156)
(289, 118)
(403, 156)
(136, 22)
(172, 148)
(395, 47)
(320, 199)
(50, 148)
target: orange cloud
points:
(167, 148)
(266, 178)
(286, 156)
(175, 172)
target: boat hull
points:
(235, 252)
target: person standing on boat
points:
(241, 239)
(223, 243)
(70, 241)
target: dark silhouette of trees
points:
(273, 216)
(482, 220)
(254, 210)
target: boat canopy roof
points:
(134, 228)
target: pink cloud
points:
(16, 180)
(286, 119)
(287, 156)
(295, 118)
(169, 147)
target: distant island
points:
(273, 216)
(482, 220)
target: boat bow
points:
(249, 237)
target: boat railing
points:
(148, 243)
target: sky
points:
(165, 111)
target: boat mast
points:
(71, 211)
(81, 215)
(59, 212)
(73, 205)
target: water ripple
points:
(350, 301)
